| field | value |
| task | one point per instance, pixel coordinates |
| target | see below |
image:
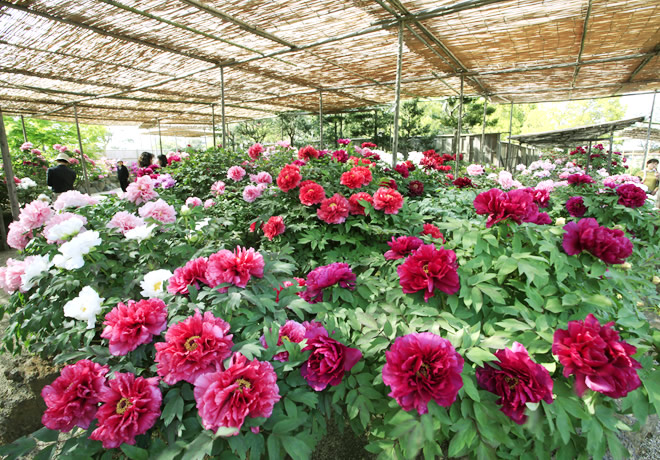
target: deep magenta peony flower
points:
(402, 246)
(631, 195)
(131, 407)
(333, 210)
(463, 182)
(244, 389)
(307, 153)
(575, 206)
(72, 399)
(402, 169)
(193, 273)
(609, 245)
(597, 356)
(421, 367)
(432, 231)
(193, 347)
(340, 156)
(328, 361)
(429, 269)
(326, 276)
(289, 178)
(541, 196)
(255, 151)
(129, 326)
(234, 267)
(354, 206)
(516, 205)
(272, 228)
(388, 200)
(415, 188)
(579, 179)
(311, 193)
(292, 331)
(517, 380)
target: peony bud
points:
(185, 210)
(619, 296)
(656, 279)
(560, 222)
(626, 265)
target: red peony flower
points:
(234, 267)
(421, 367)
(575, 206)
(326, 276)
(340, 156)
(292, 331)
(579, 179)
(289, 178)
(402, 169)
(429, 269)
(410, 165)
(354, 206)
(255, 151)
(388, 200)
(415, 188)
(389, 183)
(609, 245)
(463, 182)
(352, 179)
(516, 205)
(129, 326)
(597, 356)
(333, 210)
(193, 273)
(253, 226)
(274, 226)
(365, 172)
(402, 246)
(307, 153)
(433, 231)
(517, 380)
(311, 193)
(193, 347)
(72, 399)
(245, 389)
(631, 195)
(328, 361)
(370, 145)
(131, 406)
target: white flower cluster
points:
(85, 307)
(73, 250)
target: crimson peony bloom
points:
(463, 182)
(333, 210)
(255, 151)
(421, 367)
(131, 407)
(352, 179)
(365, 172)
(354, 206)
(579, 179)
(575, 206)
(292, 331)
(631, 195)
(307, 153)
(402, 246)
(193, 273)
(72, 399)
(245, 389)
(340, 156)
(415, 188)
(609, 245)
(129, 326)
(516, 205)
(234, 267)
(193, 347)
(433, 231)
(326, 276)
(600, 360)
(311, 193)
(541, 197)
(272, 228)
(289, 178)
(517, 380)
(388, 200)
(429, 269)
(370, 145)
(328, 361)
(403, 170)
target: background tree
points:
(293, 126)
(253, 131)
(473, 114)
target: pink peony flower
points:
(289, 178)
(129, 326)
(575, 206)
(326, 276)
(421, 367)
(18, 235)
(402, 246)
(517, 380)
(193, 201)
(333, 210)
(609, 245)
(72, 399)
(262, 178)
(597, 356)
(475, 170)
(236, 173)
(329, 360)
(159, 210)
(131, 406)
(274, 226)
(631, 195)
(192, 347)
(433, 232)
(311, 193)
(73, 199)
(26, 146)
(124, 221)
(579, 179)
(193, 273)
(429, 269)
(245, 389)
(292, 331)
(343, 141)
(354, 206)
(234, 267)
(307, 153)
(251, 193)
(218, 188)
(141, 191)
(255, 151)
(208, 203)
(10, 275)
(388, 200)
(35, 214)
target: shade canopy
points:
(135, 61)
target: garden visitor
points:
(145, 160)
(60, 178)
(122, 175)
(162, 159)
(652, 176)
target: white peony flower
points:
(72, 251)
(85, 307)
(64, 230)
(26, 183)
(35, 266)
(44, 198)
(140, 233)
(185, 209)
(202, 223)
(153, 284)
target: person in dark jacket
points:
(60, 178)
(122, 175)
(162, 160)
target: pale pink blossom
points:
(475, 170)
(125, 221)
(141, 191)
(158, 210)
(193, 201)
(261, 178)
(18, 235)
(10, 276)
(251, 193)
(284, 144)
(73, 199)
(35, 214)
(208, 203)
(26, 146)
(236, 173)
(505, 179)
(218, 188)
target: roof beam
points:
(578, 61)
(646, 60)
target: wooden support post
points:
(213, 123)
(375, 126)
(320, 120)
(508, 145)
(397, 97)
(648, 137)
(82, 154)
(458, 131)
(609, 156)
(483, 133)
(9, 172)
(222, 101)
(24, 132)
(586, 168)
(160, 138)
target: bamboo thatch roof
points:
(134, 61)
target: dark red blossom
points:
(541, 197)
(389, 184)
(463, 182)
(429, 269)
(340, 156)
(307, 153)
(402, 169)
(609, 245)
(329, 359)
(289, 178)
(516, 205)
(333, 210)
(370, 145)
(324, 277)
(354, 206)
(579, 179)
(433, 231)
(631, 195)
(274, 226)
(415, 188)
(575, 206)
(402, 246)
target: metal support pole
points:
(483, 134)
(82, 155)
(320, 120)
(586, 169)
(9, 172)
(508, 144)
(222, 101)
(458, 130)
(397, 97)
(609, 156)
(648, 137)
(375, 126)
(213, 122)
(160, 138)
(24, 132)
